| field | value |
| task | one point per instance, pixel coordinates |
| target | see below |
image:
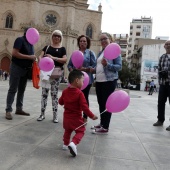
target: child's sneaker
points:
(65, 147)
(96, 127)
(73, 149)
(100, 131)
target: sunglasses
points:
(56, 35)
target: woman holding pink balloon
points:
(57, 53)
(109, 62)
(84, 59)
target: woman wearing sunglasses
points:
(58, 53)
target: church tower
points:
(72, 17)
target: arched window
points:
(9, 21)
(89, 31)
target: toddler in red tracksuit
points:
(74, 103)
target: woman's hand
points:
(92, 70)
(104, 62)
(84, 69)
(50, 56)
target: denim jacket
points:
(89, 62)
(112, 67)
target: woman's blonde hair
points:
(58, 32)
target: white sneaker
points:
(55, 120)
(73, 149)
(65, 147)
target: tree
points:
(126, 74)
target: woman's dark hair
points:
(74, 75)
(87, 38)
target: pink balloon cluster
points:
(117, 101)
(46, 64)
(32, 36)
(77, 58)
(112, 51)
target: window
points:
(51, 19)
(131, 27)
(146, 28)
(89, 31)
(9, 21)
(130, 33)
(137, 33)
(138, 26)
(135, 47)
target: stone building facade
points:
(72, 17)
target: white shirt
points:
(100, 75)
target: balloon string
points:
(81, 125)
(103, 112)
(87, 121)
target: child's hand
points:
(95, 117)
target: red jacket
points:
(74, 103)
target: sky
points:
(117, 15)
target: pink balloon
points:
(32, 36)
(77, 58)
(86, 80)
(117, 101)
(112, 51)
(46, 64)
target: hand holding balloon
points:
(33, 57)
(48, 55)
(104, 62)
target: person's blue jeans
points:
(164, 92)
(17, 83)
(103, 91)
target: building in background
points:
(122, 40)
(72, 17)
(148, 57)
(139, 28)
(162, 37)
(135, 61)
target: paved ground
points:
(132, 143)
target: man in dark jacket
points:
(22, 59)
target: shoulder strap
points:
(46, 50)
